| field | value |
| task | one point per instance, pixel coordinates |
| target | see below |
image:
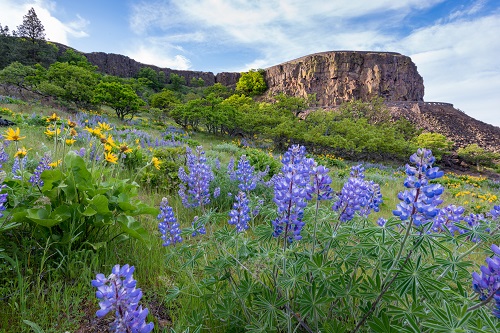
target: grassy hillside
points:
(85, 192)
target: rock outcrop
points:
(445, 119)
(341, 76)
(123, 66)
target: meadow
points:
(231, 235)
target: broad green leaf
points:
(133, 228)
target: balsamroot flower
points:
(169, 228)
(117, 292)
(240, 214)
(419, 203)
(292, 189)
(357, 195)
(42, 166)
(13, 135)
(487, 284)
(194, 191)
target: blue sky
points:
(454, 43)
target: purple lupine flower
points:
(256, 209)
(198, 227)
(419, 203)
(4, 157)
(291, 191)
(216, 192)
(42, 166)
(16, 167)
(240, 214)
(321, 183)
(245, 175)
(449, 217)
(196, 193)
(80, 152)
(381, 222)
(168, 226)
(495, 212)
(488, 283)
(217, 163)
(230, 170)
(357, 195)
(3, 199)
(118, 292)
(475, 221)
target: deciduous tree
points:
(120, 97)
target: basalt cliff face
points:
(341, 76)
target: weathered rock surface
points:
(123, 66)
(340, 76)
(445, 119)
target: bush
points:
(476, 155)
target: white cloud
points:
(13, 12)
(158, 56)
(459, 63)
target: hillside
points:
(339, 76)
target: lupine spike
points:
(118, 292)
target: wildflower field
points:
(118, 226)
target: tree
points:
(6, 45)
(120, 97)
(18, 75)
(164, 100)
(436, 142)
(480, 157)
(177, 81)
(252, 83)
(32, 30)
(71, 83)
(154, 80)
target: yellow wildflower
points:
(94, 131)
(156, 162)
(11, 135)
(21, 153)
(107, 148)
(111, 158)
(104, 127)
(50, 133)
(55, 164)
(54, 117)
(71, 123)
(73, 132)
(70, 142)
(125, 149)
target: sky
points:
(454, 43)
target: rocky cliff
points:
(340, 76)
(334, 77)
(445, 119)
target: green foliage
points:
(70, 83)
(252, 83)
(153, 79)
(165, 100)
(291, 104)
(197, 82)
(374, 111)
(75, 210)
(177, 81)
(261, 160)
(166, 179)
(436, 142)
(122, 98)
(218, 90)
(476, 155)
